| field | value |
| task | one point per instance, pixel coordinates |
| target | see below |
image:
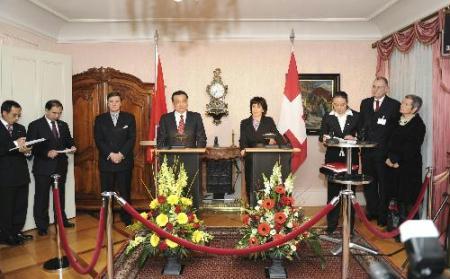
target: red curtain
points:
(427, 32)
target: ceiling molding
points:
(48, 9)
(220, 20)
(382, 9)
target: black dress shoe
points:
(68, 224)
(381, 223)
(24, 237)
(42, 232)
(12, 241)
(371, 217)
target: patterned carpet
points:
(201, 265)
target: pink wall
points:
(249, 68)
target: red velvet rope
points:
(395, 232)
(62, 234)
(228, 251)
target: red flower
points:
(263, 229)
(177, 209)
(161, 199)
(191, 217)
(280, 218)
(196, 225)
(280, 189)
(253, 241)
(287, 200)
(169, 227)
(268, 204)
(245, 219)
(162, 245)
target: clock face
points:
(217, 90)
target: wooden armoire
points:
(89, 91)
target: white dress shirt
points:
(375, 102)
(178, 117)
(342, 119)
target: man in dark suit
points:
(181, 127)
(50, 157)
(115, 136)
(378, 116)
(14, 175)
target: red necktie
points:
(181, 125)
(54, 130)
(10, 129)
(377, 105)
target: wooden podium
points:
(191, 160)
(259, 161)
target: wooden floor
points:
(26, 261)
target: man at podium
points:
(181, 127)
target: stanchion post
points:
(430, 194)
(61, 262)
(108, 197)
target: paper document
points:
(28, 143)
(64, 151)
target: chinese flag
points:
(158, 108)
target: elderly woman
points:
(404, 159)
(253, 129)
(341, 122)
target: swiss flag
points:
(291, 123)
(158, 108)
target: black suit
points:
(249, 137)
(15, 178)
(377, 126)
(193, 130)
(44, 167)
(330, 126)
(120, 138)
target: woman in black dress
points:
(252, 133)
(404, 160)
(341, 122)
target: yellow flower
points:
(154, 204)
(154, 240)
(171, 244)
(182, 218)
(197, 236)
(186, 201)
(144, 215)
(172, 199)
(162, 220)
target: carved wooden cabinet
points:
(89, 92)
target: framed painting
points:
(317, 91)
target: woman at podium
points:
(258, 130)
(342, 122)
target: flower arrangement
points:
(172, 211)
(275, 216)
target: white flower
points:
(273, 232)
(260, 202)
(257, 207)
(254, 231)
(293, 248)
(289, 225)
(296, 214)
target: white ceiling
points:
(123, 20)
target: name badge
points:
(381, 121)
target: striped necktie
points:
(10, 129)
(181, 125)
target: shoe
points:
(330, 231)
(11, 241)
(42, 232)
(127, 222)
(381, 223)
(68, 224)
(24, 237)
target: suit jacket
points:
(13, 164)
(42, 164)
(120, 138)
(330, 126)
(193, 130)
(251, 138)
(372, 130)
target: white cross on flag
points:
(291, 123)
